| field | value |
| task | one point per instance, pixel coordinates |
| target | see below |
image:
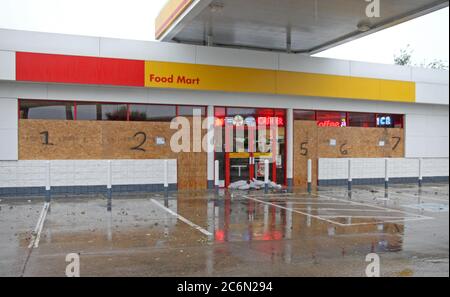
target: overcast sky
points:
(134, 19)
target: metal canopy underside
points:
(314, 25)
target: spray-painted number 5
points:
(304, 148)
(143, 141)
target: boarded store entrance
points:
(240, 155)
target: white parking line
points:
(311, 203)
(407, 216)
(363, 217)
(193, 225)
(420, 197)
(378, 207)
(347, 202)
(388, 222)
(289, 199)
(341, 209)
(393, 190)
(335, 191)
(36, 237)
(277, 194)
(296, 211)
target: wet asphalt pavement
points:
(328, 233)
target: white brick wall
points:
(332, 169)
(85, 173)
(403, 168)
(436, 167)
(367, 168)
(17, 174)
(140, 173)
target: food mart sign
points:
(50, 68)
(249, 80)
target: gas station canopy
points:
(298, 26)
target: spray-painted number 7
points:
(143, 138)
(397, 142)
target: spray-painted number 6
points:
(343, 150)
(144, 140)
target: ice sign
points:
(385, 121)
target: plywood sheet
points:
(97, 140)
(59, 140)
(192, 167)
(313, 142)
(305, 148)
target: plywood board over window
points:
(305, 147)
(313, 142)
(104, 140)
(192, 167)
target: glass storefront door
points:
(239, 168)
(238, 162)
(241, 152)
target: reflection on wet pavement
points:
(17, 219)
(328, 233)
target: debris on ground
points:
(254, 184)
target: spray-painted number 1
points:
(45, 138)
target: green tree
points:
(405, 58)
(436, 64)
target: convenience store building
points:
(79, 101)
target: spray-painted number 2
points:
(143, 141)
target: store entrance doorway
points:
(241, 154)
